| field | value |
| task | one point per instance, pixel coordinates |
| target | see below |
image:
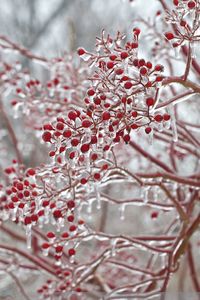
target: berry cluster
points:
(41, 102)
(124, 89)
(182, 18)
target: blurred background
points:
(52, 26)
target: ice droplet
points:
(173, 125)
(85, 56)
(98, 198)
(113, 249)
(160, 127)
(45, 252)
(150, 137)
(193, 47)
(28, 235)
(122, 211)
(145, 194)
(89, 210)
(14, 214)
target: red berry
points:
(159, 78)
(72, 155)
(65, 235)
(86, 123)
(46, 136)
(14, 102)
(45, 203)
(135, 62)
(136, 31)
(113, 57)
(51, 235)
(169, 35)
(154, 214)
(124, 55)
(72, 115)
(20, 186)
(60, 126)
(166, 117)
(176, 2)
(57, 214)
(134, 126)
(97, 101)
(143, 71)
(27, 220)
(141, 62)
(71, 252)
(81, 51)
(159, 68)
(26, 193)
(128, 85)
(30, 172)
(106, 115)
(91, 92)
(149, 101)
(83, 180)
(134, 114)
(149, 65)
(126, 138)
(148, 130)
(70, 204)
(70, 218)
(56, 81)
(93, 139)
(183, 23)
(34, 218)
(85, 148)
(158, 118)
(106, 148)
(45, 246)
(119, 71)
(67, 133)
(59, 248)
(110, 65)
(47, 127)
(94, 156)
(74, 142)
(97, 176)
(191, 4)
(72, 228)
(134, 45)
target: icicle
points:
(122, 211)
(72, 259)
(59, 224)
(193, 47)
(173, 125)
(155, 193)
(14, 214)
(85, 56)
(177, 51)
(89, 210)
(113, 250)
(16, 110)
(45, 251)
(145, 194)
(41, 222)
(87, 161)
(160, 127)
(150, 137)
(98, 198)
(46, 215)
(28, 235)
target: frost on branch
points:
(109, 215)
